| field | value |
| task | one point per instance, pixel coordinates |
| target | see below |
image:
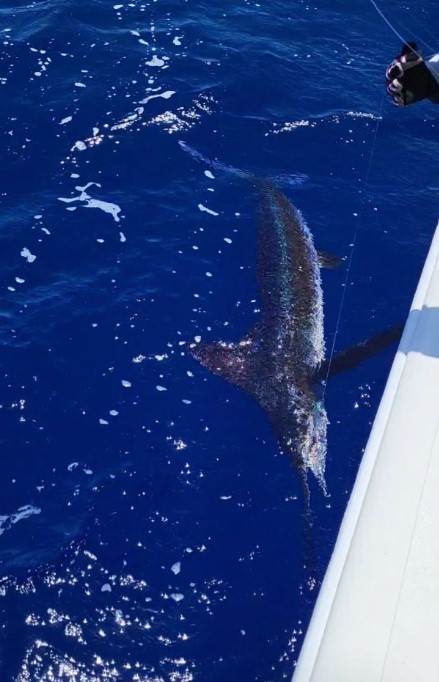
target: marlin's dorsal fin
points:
(231, 361)
(328, 260)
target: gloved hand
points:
(404, 74)
(408, 78)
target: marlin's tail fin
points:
(293, 180)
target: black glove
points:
(408, 78)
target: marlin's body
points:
(278, 361)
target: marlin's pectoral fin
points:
(328, 260)
(354, 356)
(232, 361)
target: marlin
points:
(280, 362)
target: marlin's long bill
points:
(292, 179)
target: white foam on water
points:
(28, 255)
(364, 114)
(207, 210)
(331, 119)
(176, 596)
(24, 512)
(106, 206)
(155, 61)
(79, 146)
(163, 95)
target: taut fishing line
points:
(353, 243)
(404, 42)
(392, 28)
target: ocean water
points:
(150, 530)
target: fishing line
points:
(353, 244)
(422, 29)
(365, 184)
(392, 28)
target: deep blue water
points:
(157, 535)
